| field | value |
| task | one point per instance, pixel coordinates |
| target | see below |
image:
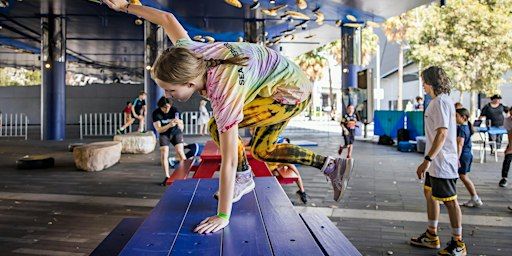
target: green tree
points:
(19, 77)
(313, 64)
(369, 42)
(470, 39)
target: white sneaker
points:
(473, 203)
(244, 183)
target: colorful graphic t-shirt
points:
(230, 87)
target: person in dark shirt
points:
(464, 132)
(493, 113)
(507, 124)
(138, 113)
(169, 127)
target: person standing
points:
(169, 128)
(204, 117)
(439, 168)
(138, 112)
(493, 112)
(464, 132)
(507, 123)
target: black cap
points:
(496, 97)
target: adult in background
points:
(440, 166)
(508, 152)
(204, 118)
(419, 104)
(493, 112)
(169, 127)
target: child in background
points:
(276, 167)
(348, 126)
(127, 112)
(464, 132)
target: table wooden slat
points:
(203, 205)
(158, 232)
(287, 232)
(330, 238)
(118, 238)
(246, 234)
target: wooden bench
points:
(287, 176)
(263, 222)
(117, 239)
(210, 163)
(181, 171)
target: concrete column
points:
(351, 63)
(154, 41)
(53, 71)
(254, 27)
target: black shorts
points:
(174, 139)
(138, 113)
(349, 139)
(442, 189)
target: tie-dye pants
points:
(269, 118)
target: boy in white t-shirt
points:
(440, 164)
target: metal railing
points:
(14, 125)
(100, 124)
(106, 124)
(189, 119)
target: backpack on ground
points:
(402, 135)
(385, 140)
(406, 146)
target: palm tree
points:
(313, 64)
(395, 29)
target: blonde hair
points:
(181, 65)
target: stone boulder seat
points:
(72, 146)
(137, 142)
(97, 156)
(29, 162)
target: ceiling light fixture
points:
(255, 5)
(372, 24)
(234, 3)
(353, 25)
(351, 18)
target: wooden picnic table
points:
(263, 222)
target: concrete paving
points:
(63, 211)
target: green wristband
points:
(223, 216)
